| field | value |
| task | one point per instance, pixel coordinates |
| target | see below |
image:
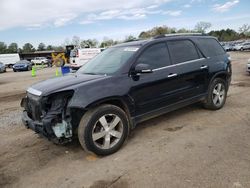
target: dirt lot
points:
(190, 147)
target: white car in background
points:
(39, 60)
(248, 66)
(243, 46)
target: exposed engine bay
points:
(48, 115)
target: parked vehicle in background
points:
(22, 65)
(79, 57)
(125, 85)
(9, 59)
(243, 46)
(231, 47)
(39, 61)
(2, 67)
(248, 66)
(226, 47)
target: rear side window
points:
(182, 50)
(210, 47)
(156, 56)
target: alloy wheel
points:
(218, 94)
(107, 131)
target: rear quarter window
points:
(210, 47)
(182, 51)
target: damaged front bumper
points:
(34, 125)
(58, 136)
(53, 123)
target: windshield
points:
(21, 62)
(73, 53)
(109, 61)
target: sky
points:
(55, 21)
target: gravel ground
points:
(190, 147)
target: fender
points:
(225, 74)
(126, 103)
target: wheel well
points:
(77, 113)
(115, 102)
(222, 75)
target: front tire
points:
(217, 94)
(103, 130)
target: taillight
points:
(77, 53)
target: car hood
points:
(61, 83)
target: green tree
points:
(59, 48)
(129, 38)
(89, 43)
(108, 42)
(183, 30)
(144, 35)
(161, 30)
(49, 47)
(3, 48)
(41, 47)
(225, 35)
(12, 48)
(201, 27)
(28, 48)
(245, 30)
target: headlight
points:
(60, 98)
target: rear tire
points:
(103, 130)
(217, 94)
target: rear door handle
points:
(171, 75)
(204, 67)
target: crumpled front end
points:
(48, 115)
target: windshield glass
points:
(21, 62)
(109, 61)
(73, 53)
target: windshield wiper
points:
(90, 73)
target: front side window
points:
(156, 56)
(182, 51)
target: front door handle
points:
(203, 67)
(171, 75)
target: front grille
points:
(34, 109)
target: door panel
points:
(154, 90)
(192, 78)
(182, 79)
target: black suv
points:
(127, 84)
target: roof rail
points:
(178, 34)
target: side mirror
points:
(142, 68)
